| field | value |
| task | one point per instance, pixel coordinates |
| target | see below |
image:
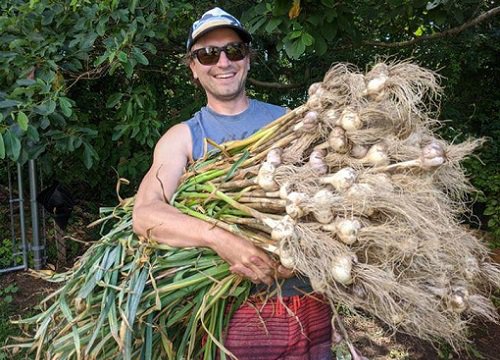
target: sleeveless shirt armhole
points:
(205, 148)
(191, 123)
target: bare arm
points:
(154, 218)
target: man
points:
(218, 51)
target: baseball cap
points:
(214, 19)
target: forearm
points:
(165, 224)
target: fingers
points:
(263, 261)
(253, 273)
(284, 272)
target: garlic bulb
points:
(309, 123)
(295, 204)
(342, 269)
(330, 116)
(341, 180)
(274, 156)
(471, 268)
(338, 140)
(350, 120)
(313, 88)
(345, 229)
(323, 213)
(265, 177)
(317, 161)
(376, 155)
(358, 151)
(377, 80)
(433, 155)
(458, 300)
(286, 259)
(377, 84)
(283, 229)
(318, 284)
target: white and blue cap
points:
(214, 19)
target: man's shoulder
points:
(196, 116)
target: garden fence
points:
(22, 228)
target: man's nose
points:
(223, 60)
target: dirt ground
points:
(368, 336)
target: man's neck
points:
(231, 107)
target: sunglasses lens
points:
(211, 55)
(236, 52)
(208, 56)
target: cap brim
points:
(243, 34)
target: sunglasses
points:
(210, 55)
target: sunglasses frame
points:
(243, 47)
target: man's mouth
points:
(224, 76)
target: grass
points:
(6, 328)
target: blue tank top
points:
(206, 123)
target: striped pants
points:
(269, 331)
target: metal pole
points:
(21, 214)
(35, 245)
(11, 206)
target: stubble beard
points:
(228, 94)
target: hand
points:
(283, 272)
(245, 258)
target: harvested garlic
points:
(341, 180)
(313, 88)
(338, 140)
(265, 177)
(358, 151)
(458, 300)
(286, 259)
(342, 269)
(317, 162)
(350, 121)
(376, 155)
(309, 123)
(282, 230)
(274, 156)
(323, 213)
(294, 206)
(433, 155)
(345, 229)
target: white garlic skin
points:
(342, 269)
(265, 177)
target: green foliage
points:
(7, 257)
(93, 85)
(6, 294)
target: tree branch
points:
(449, 32)
(274, 85)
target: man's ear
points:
(193, 70)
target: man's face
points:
(225, 80)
